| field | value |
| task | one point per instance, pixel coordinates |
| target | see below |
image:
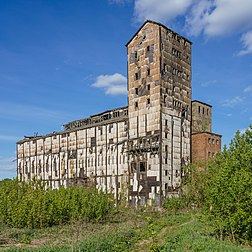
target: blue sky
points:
(65, 60)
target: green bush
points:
(30, 205)
(174, 204)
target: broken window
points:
(148, 71)
(148, 101)
(93, 142)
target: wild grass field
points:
(128, 230)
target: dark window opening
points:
(148, 87)
(142, 167)
(166, 148)
(136, 91)
(166, 172)
(199, 109)
(203, 110)
(148, 101)
(148, 71)
(136, 105)
(136, 76)
(166, 160)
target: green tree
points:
(228, 201)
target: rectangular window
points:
(166, 172)
(136, 91)
(166, 148)
(136, 105)
(148, 87)
(136, 76)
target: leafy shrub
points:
(174, 204)
(30, 205)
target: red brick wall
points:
(204, 146)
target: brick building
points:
(205, 144)
(138, 151)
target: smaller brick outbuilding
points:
(205, 145)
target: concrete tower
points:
(159, 110)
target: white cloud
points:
(228, 16)
(248, 89)
(232, 102)
(246, 40)
(160, 10)
(210, 17)
(115, 84)
(196, 18)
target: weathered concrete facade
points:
(139, 151)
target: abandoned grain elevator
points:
(135, 152)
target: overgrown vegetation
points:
(223, 189)
(215, 205)
(30, 205)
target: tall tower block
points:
(159, 110)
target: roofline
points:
(202, 103)
(206, 132)
(31, 138)
(154, 22)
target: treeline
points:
(222, 188)
(30, 205)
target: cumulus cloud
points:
(248, 89)
(115, 84)
(232, 102)
(160, 10)
(209, 17)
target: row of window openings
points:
(137, 89)
(138, 74)
(176, 173)
(147, 103)
(213, 141)
(202, 110)
(90, 163)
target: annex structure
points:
(136, 152)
